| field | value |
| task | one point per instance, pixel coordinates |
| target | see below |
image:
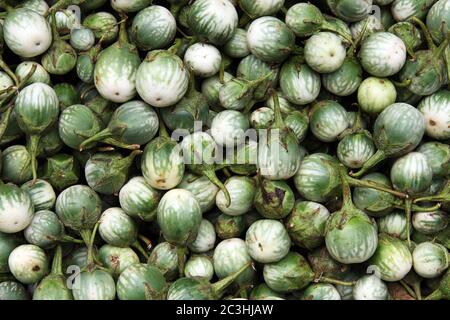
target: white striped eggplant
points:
(165, 257)
(129, 6)
(394, 224)
(95, 285)
(211, 87)
(117, 228)
(203, 59)
(132, 124)
(231, 255)
(270, 40)
(103, 24)
(41, 193)
(16, 209)
(397, 131)
(376, 94)
(392, 258)
(237, 46)
(370, 287)
(373, 25)
(328, 120)
(82, 39)
(242, 191)
(306, 224)
(259, 8)
(141, 282)
(45, 230)
(430, 259)
(162, 79)
(262, 118)
(412, 37)
(115, 69)
(16, 164)
(8, 242)
(267, 241)
(199, 266)
(117, 259)
(349, 10)
(404, 9)
(202, 188)
(106, 173)
(438, 20)
(60, 58)
(318, 177)
(153, 28)
(348, 226)
(430, 223)
(355, 149)
(436, 110)
(273, 199)
(213, 20)
(27, 33)
(324, 52)
(320, 291)
(438, 157)
(206, 238)
(28, 263)
(138, 199)
(23, 69)
(229, 128)
(37, 109)
(411, 173)
(382, 54)
(298, 82)
(11, 290)
(54, 286)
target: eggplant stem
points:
(408, 205)
(369, 164)
(425, 31)
(334, 281)
(374, 185)
(408, 289)
(139, 248)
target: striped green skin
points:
(339, 25)
(203, 59)
(95, 285)
(192, 289)
(436, 110)
(286, 106)
(320, 291)
(202, 188)
(409, 33)
(427, 73)
(8, 242)
(140, 122)
(199, 149)
(317, 179)
(274, 199)
(228, 226)
(76, 124)
(404, 9)
(78, 257)
(28, 263)
(16, 164)
(438, 157)
(162, 79)
(27, 33)
(231, 255)
(60, 59)
(199, 266)
(11, 290)
(115, 72)
(236, 94)
(82, 39)
(328, 120)
(129, 6)
(117, 259)
(135, 280)
(263, 291)
(65, 20)
(270, 40)
(39, 75)
(229, 128)
(355, 149)
(430, 223)
(411, 173)
(162, 164)
(237, 46)
(398, 129)
(298, 82)
(438, 20)
(430, 259)
(85, 67)
(106, 173)
(267, 241)
(139, 200)
(104, 25)
(165, 257)
(41, 193)
(345, 80)
(214, 20)
(252, 68)
(370, 287)
(344, 230)
(299, 19)
(392, 258)
(16, 209)
(394, 224)
(382, 54)
(298, 122)
(376, 94)
(325, 52)
(374, 25)
(179, 216)
(259, 8)
(78, 207)
(153, 28)
(246, 158)
(350, 10)
(40, 6)
(291, 273)
(211, 87)
(206, 238)
(36, 108)
(306, 224)
(53, 287)
(262, 118)
(117, 228)
(45, 230)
